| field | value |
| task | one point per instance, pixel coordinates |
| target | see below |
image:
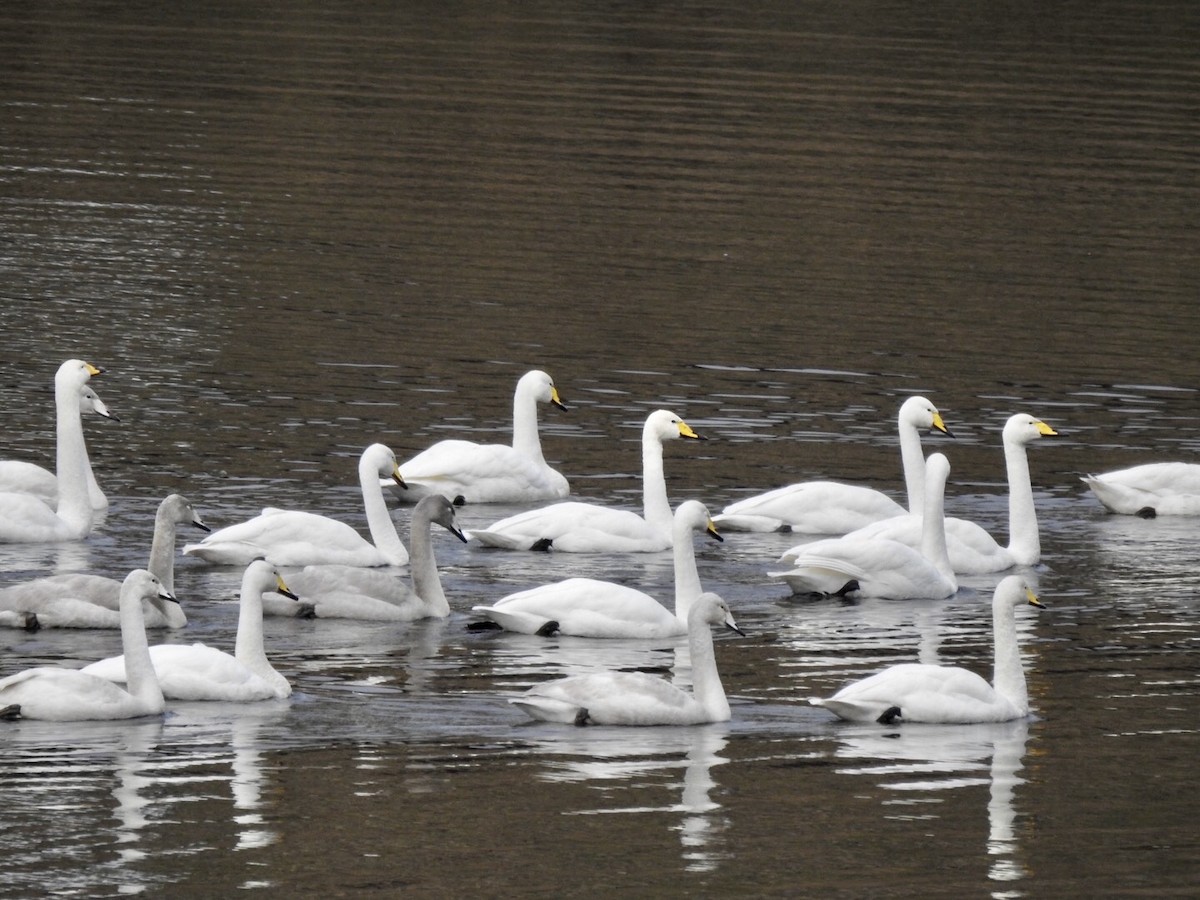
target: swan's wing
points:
(813, 507)
(612, 698)
(17, 476)
(970, 548)
(585, 607)
(1166, 488)
(96, 589)
(923, 693)
(287, 537)
(882, 568)
(194, 672)
(575, 527)
(482, 473)
(58, 694)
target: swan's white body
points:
(343, 592)
(830, 507)
(17, 476)
(914, 692)
(588, 607)
(81, 600)
(636, 698)
(492, 473)
(881, 567)
(575, 527)
(971, 549)
(199, 672)
(67, 695)
(1155, 489)
(295, 538)
(23, 517)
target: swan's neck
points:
(656, 509)
(525, 438)
(140, 678)
(162, 549)
(1008, 676)
(379, 520)
(933, 529)
(687, 578)
(1024, 542)
(248, 650)
(425, 581)
(913, 460)
(74, 503)
(706, 681)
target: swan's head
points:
(381, 459)
(441, 510)
(666, 426)
(91, 402)
(262, 577)
(75, 372)
(922, 415)
(146, 586)
(714, 611)
(1015, 591)
(695, 516)
(178, 509)
(541, 386)
(1023, 428)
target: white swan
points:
(1154, 489)
(23, 517)
(294, 538)
(914, 692)
(17, 476)
(80, 600)
(830, 507)
(587, 607)
(199, 672)
(971, 549)
(636, 698)
(576, 527)
(879, 567)
(493, 473)
(67, 695)
(344, 592)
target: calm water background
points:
(291, 229)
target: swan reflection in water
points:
(609, 755)
(921, 759)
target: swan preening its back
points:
(1154, 489)
(636, 698)
(199, 672)
(296, 538)
(914, 692)
(576, 527)
(830, 507)
(493, 473)
(23, 517)
(588, 607)
(67, 695)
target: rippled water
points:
(289, 230)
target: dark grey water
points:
(289, 230)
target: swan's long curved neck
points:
(933, 528)
(1008, 676)
(656, 508)
(687, 578)
(706, 681)
(912, 458)
(248, 648)
(162, 549)
(74, 503)
(379, 520)
(425, 581)
(525, 438)
(1024, 542)
(140, 678)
